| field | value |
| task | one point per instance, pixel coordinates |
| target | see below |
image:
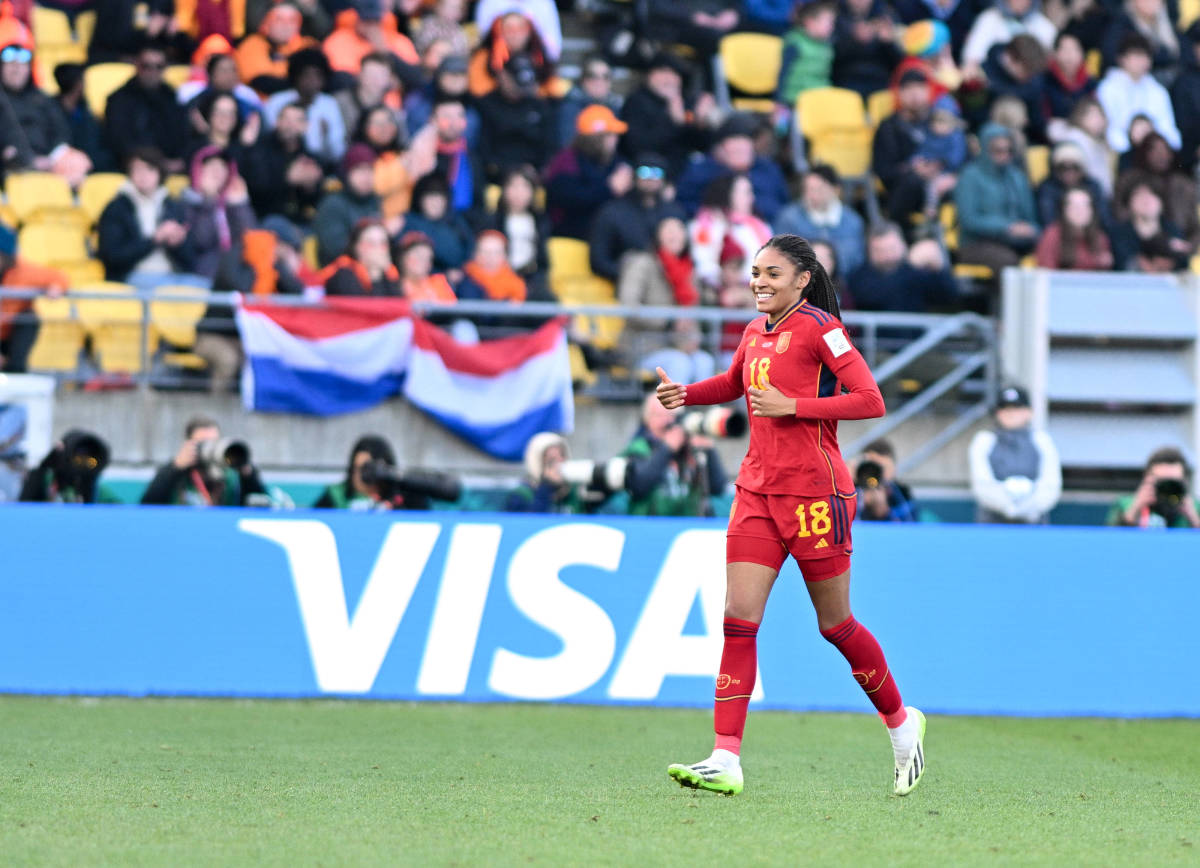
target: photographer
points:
(1162, 498)
(207, 472)
(671, 472)
(881, 497)
(373, 483)
(546, 489)
(70, 473)
(1015, 473)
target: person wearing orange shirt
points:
(362, 29)
(488, 274)
(416, 266)
(18, 329)
(262, 56)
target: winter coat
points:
(514, 133)
(122, 245)
(652, 130)
(135, 117)
(336, 216)
(997, 26)
(264, 167)
(452, 238)
(626, 224)
(807, 63)
(846, 238)
(770, 188)
(989, 198)
(576, 187)
(862, 66)
(1123, 99)
(201, 217)
(32, 123)
(903, 289)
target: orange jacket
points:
(26, 275)
(346, 49)
(256, 56)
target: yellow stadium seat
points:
(176, 74)
(969, 271)
(1094, 61)
(1037, 163)
(569, 265)
(750, 63)
(115, 327)
(82, 272)
(176, 184)
(880, 105)
(85, 26)
(96, 191)
(52, 243)
(38, 195)
(100, 80)
(50, 56)
(580, 372)
(1189, 11)
(847, 150)
(308, 251)
(50, 27)
(821, 109)
(60, 336)
(175, 320)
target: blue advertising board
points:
(484, 607)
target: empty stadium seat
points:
(748, 63)
(1037, 163)
(880, 105)
(82, 272)
(99, 82)
(59, 339)
(50, 27)
(85, 26)
(40, 196)
(52, 243)
(50, 56)
(174, 319)
(177, 183)
(569, 262)
(821, 109)
(96, 191)
(176, 74)
(115, 327)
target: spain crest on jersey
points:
(782, 344)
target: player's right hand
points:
(670, 395)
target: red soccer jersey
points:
(805, 355)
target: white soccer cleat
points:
(908, 773)
(719, 774)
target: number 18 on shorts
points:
(766, 528)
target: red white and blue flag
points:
(351, 354)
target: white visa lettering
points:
(588, 638)
(346, 654)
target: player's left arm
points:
(861, 401)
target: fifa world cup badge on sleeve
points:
(838, 345)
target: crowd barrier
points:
(488, 607)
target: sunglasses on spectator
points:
(16, 54)
(650, 173)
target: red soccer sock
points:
(869, 667)
(739, 665)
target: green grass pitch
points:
(226, 782)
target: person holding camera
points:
(880, 496)
(373, 483)
(207, 472)
(1162, 498)
(546, 488)
(70, 472)
(1015, 473)
(671, 471)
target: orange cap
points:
(599, 119)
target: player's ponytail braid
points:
(819, 292)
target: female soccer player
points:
(794, 494)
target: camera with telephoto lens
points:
(868, 476)
(715, 422)
(80, 461)
(213, 456)
(1168, 497)
(606, 477)
(413, 483)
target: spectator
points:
(201, 473)
(262, 262)
(509, 36)
(864, 46)
(448, 229)
(1015, 474)
(144, 112)
(956, 15)
(488, 275)
(684, 352)
(526, 227)
(728, 210)
(541, 14)
(366, 268)
(881, 496)
(734, 293)
(1154, 161)
(396, 169)
(670, 471)
(1128, 89)
(1067, 171)
(454, 160)
(443, 23)
(217, 72)
(34, 134)
(1067, 80)
(662, 277)
(417, 278)
(308, 73)
(124, 26)
(84, 132)
(544, 488)
(820, 215)
(317, 22)
(1076, 241)
(1011, 113)
(1018, 69)
(766, 16)
(262, 57)
(1185, 98)
(282, 176)
(1147, 242)
(734, 153)
(895, 278)
(516, 124)
(999, 24)
(1087, 127)
(927, 46)
(662, 119)
(344, 208)
(1162, 499)
(584, 176)
(807, 52)
(376, 85)
(594, 88)
(362, 29)
(699, 24)
(217, 114)
(996, 214)
(143, 232)
(907, 178)
(363, 490)
(1151, 20)
(628, 222)
(216, 208)
(945, 148)
(18, 332)
(449, 84)
(825, 254)
(70, 472)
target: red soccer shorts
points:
(766, 528)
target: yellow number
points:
(821, 522)
(759, 377)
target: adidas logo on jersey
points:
(823, 544)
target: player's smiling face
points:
(777, 284)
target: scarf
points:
(503, 284)
(458, 173)
(678, 270)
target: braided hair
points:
(819, 292)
